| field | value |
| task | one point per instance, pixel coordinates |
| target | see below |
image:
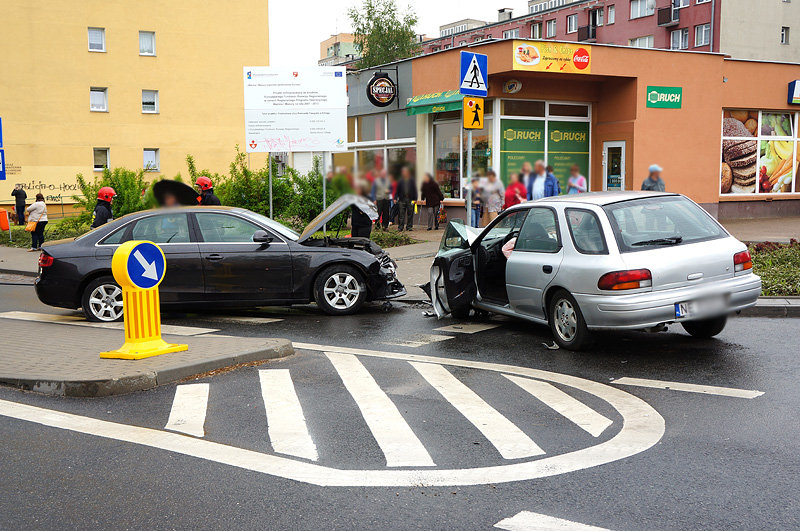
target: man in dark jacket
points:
(432, 195)
(406, 195)
(19, 203)
(207, 196)
(102, 211)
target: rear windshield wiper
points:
(670, 240)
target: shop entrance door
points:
(614, 165)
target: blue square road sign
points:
(474, 77)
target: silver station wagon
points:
(606, 260)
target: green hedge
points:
(779, 267)
(55, 230)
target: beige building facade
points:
(760, 30)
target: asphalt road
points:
(722, 461)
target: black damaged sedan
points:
(223, 257)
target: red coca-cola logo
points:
(580, 58)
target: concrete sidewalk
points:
(65, 360)
(779, 230)
(16, 261)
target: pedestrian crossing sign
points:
(473, 112)
(474, 74)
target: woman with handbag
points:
(37, 220)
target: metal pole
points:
(468, 202)
(324, 193)
(269, 161)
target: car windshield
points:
(663, 221)
(281, 229)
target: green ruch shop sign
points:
(665, 97)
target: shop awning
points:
(434, 102)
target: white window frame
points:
(102, 40)
(641, 13)
(511, 34)
(551, 28)
(612, 14)
(785, 33)
(572, 23)
(684, 39)
(156, 157)
(536, 30)
(104, 91)
(705, 34)
(94, 154)
(153, 34)
(636, 41)
(155, 93)
(680, 4)
(704, 1)
(600, 16)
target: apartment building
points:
(100, 84)
(338, 49)
(741, 28)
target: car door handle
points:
(214, 257)
(547, 269)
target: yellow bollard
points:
(139, 267)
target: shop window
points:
(351, 129)
(523, 108)
(370, 163)
(560, 109)
(449, 115)
(343, 164)
(403, 156)
(758, 152)
(447, 157)
(481, 150)
(371, 127)
(401, 125)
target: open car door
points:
(452, 286)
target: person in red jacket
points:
(515, 192)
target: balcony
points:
(668, 16)
(587, 33)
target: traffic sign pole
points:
(139, 267)
(469, 178)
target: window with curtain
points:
(97, 39)
(98, 99)
(149, 101)
(147, 43)
(150, 160)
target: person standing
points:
(654, 182)
(360, 224)
(102, 210)
(37, 213)
(516, 192)
(20, 196)
(433, 196)
(543, 184)
(477, 201)
(406, 195)
(493, 194)
(207, 196)
(526, 175)
(382, 194)
(576, 184)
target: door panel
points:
(235, 267)
(534, 262)
(490, 262)
(452, 275)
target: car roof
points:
(198, 208)
(598, 198)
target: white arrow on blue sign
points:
(146, 265)
(474, 74)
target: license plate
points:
(706, 306)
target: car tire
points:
(705, 328)
(340, 290)
(566, 321)
(101, 300)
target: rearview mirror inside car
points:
(261, 236)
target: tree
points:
(382, 33)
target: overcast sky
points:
(296, 27)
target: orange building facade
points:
(724, 130)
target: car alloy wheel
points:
(341, 291)
(105, 302)
(566, 320)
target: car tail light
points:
(631, 279)
(45, 260)
(742, 261)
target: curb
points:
(273, 349)
(19, 272)
(783, 310)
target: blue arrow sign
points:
(146, 265)
(474, 74)
(2, 165)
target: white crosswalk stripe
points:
(399, 444)
(188, 414)
(510, 441)
(571, 408)
(286, 424)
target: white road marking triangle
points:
(690, 388)
(528, 521)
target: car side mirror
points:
(261, 236)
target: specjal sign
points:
(665, 97)
(381, 90)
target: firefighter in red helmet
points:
(207, 196)
(102, 211)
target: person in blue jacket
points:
(542, 184)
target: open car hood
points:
(338, 206)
